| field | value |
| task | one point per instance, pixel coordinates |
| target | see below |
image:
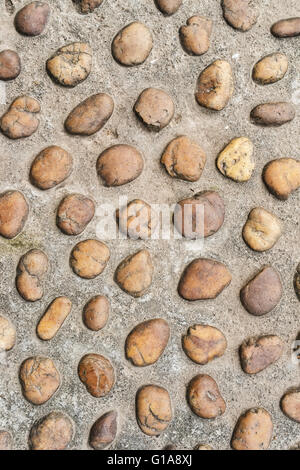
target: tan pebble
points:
(51, 167)
(97, 374)
(14, 212)
(39, 379)
(297, 281)
(10, 65)
(287, 28)
(120, 164)
(133, 44)
(290, 405)
(7, 334)
(168, 7)
(240, 14)
(236, 160)
(195, 36)
(31, 271)
(137, 220)
(53, 318)
(32, 19)
(257, 354)
(96, 313)
(104, 431)
(5, 440)
(21, 118)
(253, 431)
(270, 69)
(262, 230)
(89, 258)
(134, 274)
(204, 397)
(203, 447)
(153, 409)
(88, 6)
(215, 86)
(52, 432)
(74, 213)
(273, 114)
(203, 343)
(282, 177)
(155, 108)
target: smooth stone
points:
(137, 220)
(31, 271)
(10, 65)
(119, 164)
(282, 177)
(97, 374)
(262, 230)
(290, 405)
(32, 19)
(203, 343)
(74, 213)
(104, 431)
(134, 274)
(51, 167)
(240, 14)
(155, 109)
(273, 114)
(14, 211)
(39, 379)
(236, 160)
(270, 69)
(53, 318)
(195, 35)
(287, 28)
(7, 334)
(96, 313)
(133, 44)
(89, 258)
(153, 409)
(215, 86)
(204, 397)
(257, 354)
(21, 119)
(52, 432)
(253, 430)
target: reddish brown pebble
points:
(282, 177)
(51, 167)
(39, 379)
(215, 86)
(137, 220)
(20, 120)
(96, 313)
(97, 374)
(5, 440)
(153, 409)
(134, 274)
(259, 353)
(195, 35)
(253, 431)
(286, 28)
(168, 7)
(74, 213)
(203, 343)
(297, 281)
(14, 211)
(10, 65)
(240, 14)
(155, 108)
(52, 432)
(133, 44)
(31, 271)
(89, 258)
(88, 6)
(53, 318)
(204, 397)
(32, 19)
(290, 405)
(7, 334)
(273, 114)
(71, 64)
(120, 164)
(104, 431)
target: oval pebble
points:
(104, 431)
(236, 160)
(32, 19)
(97, 374)
(155, 109)
(31, 271)
(286, 28)
(96, 313)
(120, 164)
(52, 432)
(134, 274)
(74, 213)
(204, 397)
(10, 65)
(53, 318)
(215, 86)
(203, 343)
(153, 409)
(282, 177)
(133, 44)
(39, 379)
(51, 167)
(14, 212)
(253, 430)
(262, 230)
(270, 69)
(273, 114)
(89, 258)
(290, 405)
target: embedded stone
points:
(5, 440)
(32, 19)
(215, 86)
(270, 69)
(286, 28)
(53, 318)
(203, 343)
(21, 118)
(51, 167)
(120, 164)
(96, 313)
(204, 397)
(168, 7)
(137, 220)
(31, 271)
(155, 108)
(195, 36)
(104, 431)
(133, 44)
(134, 274)
(273, 114)
(10, 65)
(236, 160)
(7, 335)
(89, 258)
(88, 6)
(39, 379)
(282, 177)
(97, 374)
(253, 431)
(240, 14)
(257, 354)
(290, 405)
(52, 432)
(74, 213)
(153, 409)
(262, 230)
(14, 212)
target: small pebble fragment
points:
(74, 213)
(290, 405)
(51, 167)
(21, 118)
(236, 160)
(262, 230)
(257, 354)
(147, 342)
(71, 64)
(10, 65)
(215, 86)
(5, 440)
(153, 409)
(273, 114)
(91, 115)
(203, 447)
(195, 36)
(286, 28)
(168, 7)
(7, 334)
(53, 318)
(240, 14)
(32, 19)
(134, 274)
(253, 431)
(199, 216)
(263, 292)
(14, 212)
(120, 164)
(88, 6)
(270, 69)
(170, 447)
(203, 279)
(203, 343)
(31, 271)
(282, 177)
(96, 313)
(133, 44)
(137, 220)
(97, 374)
(155, 108)
(39, 379)
(52, 432)
(204, 397)
(89, 258)
(104, 431)
(297, 281)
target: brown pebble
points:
(104, 431)
(199, 216)
(203, 279)
(215, 86)
(195, 36)
(7, 334)
(184, 159)
(52, 432)
(88, 6)
(168, 7)
(153, 409)
(203, 343)
(10, 65)
(155, 108)
(297, 281)
(134, 274)
(89, 258)
(253, 430)
(204, 397)
(90, 115)
(14, 212)
(96, 313)
(147, 342)
(74, 213)
(170, 447)
(257, 354)
(32, 19)
(21, 118)
(51, 167)
(133, 44)
(71, 64)
(282, 177)
(290, 405)
(262, 230)
(5, 440)
(286, 28)
(240, 14)
(273, 114)
(263, 292)
(120, 164)
(270, 69)
(53, 318)
(31, 271)
(97, 374)
(203, 447)
(39, 379)
(137, 220)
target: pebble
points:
(263, 292)
(120, 164)
(270, 69)
(184, 159)
(153, 409)
(133, 44)
(53, 318)
(215, 86)
(286, 28)
(297, 281)
(134, 274)
(253, 431)
(32, 19)
(89, 258)
(14, 212)
(195, 36)
(7, 334)
(104, 431)
(262, 230)
(204, 397)
(240, 14)
(137, 220)
(203, 343)
(147, 342)
(31, 271)
(96, 313)
(199, 216)
(91, 115)
(290, 405)
(10, 65)
(273, 114)
(203, 447)
(74, 213)
(88, 6)
(203, 279)
(97, 374)
(71, 64)
(51, 167)
(21, 118)
(236, 160)
(5, 440)
(257, 354)
(168, 7)
(39, 379)
(52, 432)
(155, 108)
(282, 177)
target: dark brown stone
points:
(273, 114)
(31, 20)
(286, 28)
(10, 65)
(104, 431)
(74, 213)
(257, 354)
